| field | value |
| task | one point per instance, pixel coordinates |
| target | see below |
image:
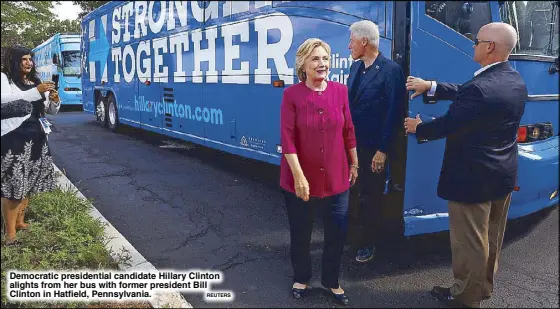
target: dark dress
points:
(27, 165)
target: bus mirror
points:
(55, 59)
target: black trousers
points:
(368, 190)
(300, 216)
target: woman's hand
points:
(53, 96)
(45, 86)
(353, 174)
(302, 187)
(378, 162)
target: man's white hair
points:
(366, 29)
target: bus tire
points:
(101, 110)
(112, 113)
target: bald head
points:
(503, 35)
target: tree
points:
(88, 6)
(24, 23)
(29, 23)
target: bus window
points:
(71, 63)
(536, 23)
(464, 17)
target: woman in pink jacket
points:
(319, 164)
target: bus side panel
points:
(148, 104)
(184, 118)
(43, 59)
(96, 57)
(125, 91)
(539, 82)
(537, 176)
(241, 115)
(227, 115)
(250, 105)
(88, 96)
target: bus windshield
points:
(537, 25)
(71, 63)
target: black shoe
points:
(365, 255)
(12, 243)
(299, 293)
(444, 295)
(486, 297)
(341, 298)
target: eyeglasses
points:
(476, 41)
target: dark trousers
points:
(300, 216)
(368, 190)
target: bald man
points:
(480, 160)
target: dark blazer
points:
(378, 106)
(480, 159)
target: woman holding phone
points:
(27, 166)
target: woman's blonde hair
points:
(304, 50)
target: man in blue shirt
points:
(376, 94)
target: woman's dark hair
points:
(12, 65)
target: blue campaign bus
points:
(213, 73)
(59, 58)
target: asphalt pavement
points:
(183, 206)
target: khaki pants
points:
(476, 234)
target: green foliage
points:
(62, 236)
(88, 6)
(30, 23)
(24, 22)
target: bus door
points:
(441, 49)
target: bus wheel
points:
(100, 111)
(112, 114)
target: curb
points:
(117, 241)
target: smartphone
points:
(55, 81)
